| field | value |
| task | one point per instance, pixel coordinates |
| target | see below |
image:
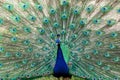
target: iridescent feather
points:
(89, 32)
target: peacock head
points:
(58, 38)
(58, 35)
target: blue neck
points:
(61, 68)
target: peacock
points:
(63, 38)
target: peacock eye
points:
(30, 49)
(18, 78)
(1, 49)
(106, 68)
(13, 30)
(9, 7)
(64, 3)
(85, 42)
(32, 18)
(45, 20)
(64, 16)
(118, 10)
(113, 34)
(1, 79)
(111, 22)
(116, 59)
(39, 7)
(83, 22)
(37, 55)
(107, 54)
(45, 48)
(52, 11)
(105, 9)
(37, 73)
(56, 25)
(74, 36)
(24, 61)
(75, 11)
(99, 63)
(116, 78)
(27, 29)
(52, 35)
(16, 18)
(39, 40)
(7, 75)
(95, 52)
(1, 65)
(112, 46)
(18, 54)
(80, 49)
(88, 8)
(96, 21)
(99, 33)
(86, 33)
(7, 54)
(14, 39)
(17, 66)
(1, 21)
(22, 75)
(28, 76)
(71, 45)
(98, 43)
(33, 65)
(42, 31)
(24, 6)
(72, 26)
(63, 32)
(26, 42)
(91, 67)
(87, 56)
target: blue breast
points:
(61, 68)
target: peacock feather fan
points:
(89, 36)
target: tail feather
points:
(89, 28)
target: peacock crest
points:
(89, 37)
